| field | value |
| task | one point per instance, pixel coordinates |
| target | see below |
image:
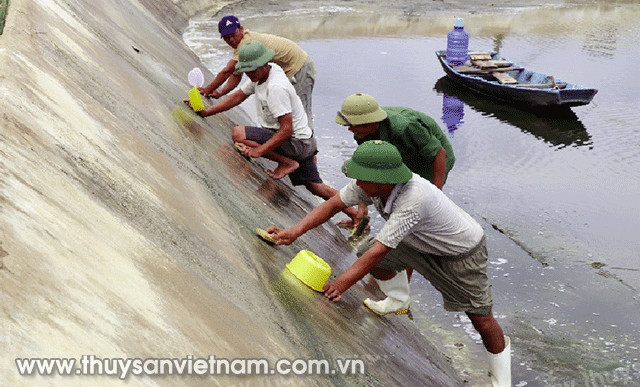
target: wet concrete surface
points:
(127, 221)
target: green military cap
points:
(358, 109)
(253, 55)
(377, 161)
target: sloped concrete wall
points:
(126, 221)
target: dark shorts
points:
(302, 151)
(462, 281)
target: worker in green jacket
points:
(424, 148)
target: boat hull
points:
(520, 94)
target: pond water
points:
(557, 193)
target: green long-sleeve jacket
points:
(418, 138)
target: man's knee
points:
(238, 134)
(382, 274)
(320, 189)
(312, 187)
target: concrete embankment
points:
(126, 221)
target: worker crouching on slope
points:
(425, 231)
(284, 135)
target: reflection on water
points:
(452, 112)
(558, 127)
(601, 40)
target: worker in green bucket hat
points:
(283, 134)
(425, 231)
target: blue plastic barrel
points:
(457, 44)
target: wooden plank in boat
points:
(475, 70)
(502, 63)
(479, 55)
(504, 79)
(503, 69)
(542, 85)
(484, 64)
(467, 70)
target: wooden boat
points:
(557, 126)
(491, 75)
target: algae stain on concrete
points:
(4, 8)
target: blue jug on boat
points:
(457, 44)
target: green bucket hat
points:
(377, 161)
(253, 55)
(358, 109)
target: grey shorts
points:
(302, 151)
(461, 280)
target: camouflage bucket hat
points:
(253, 55)
(358, 109)
(377, 161)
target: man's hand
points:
(282, 236)
(214, 94)
(356, 217)
(319, 215)
(205, 113)
(332, 292)
(357, 271)
(201, 113)
(252, 152)
(248, 151)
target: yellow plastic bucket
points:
(312, 270)
(195, 99)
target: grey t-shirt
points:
(421, 216)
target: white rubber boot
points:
(501, 366)
(397, 291)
